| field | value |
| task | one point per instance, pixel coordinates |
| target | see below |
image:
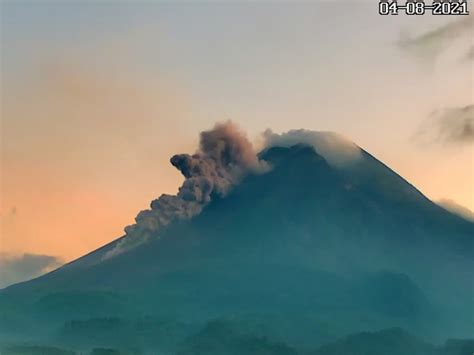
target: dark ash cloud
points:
(457, 209)
(224, 156)
(17, 268)
(453, 125)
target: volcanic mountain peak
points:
(312, 226)
(224, 157)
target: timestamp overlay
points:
(420, 7)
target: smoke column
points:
(224, 157)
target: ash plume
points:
(224, 157)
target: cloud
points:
(457, 209)
(17, 268)
(453, 125)
(336, 149)
(432, 43)
(469, 54)
(224, 156)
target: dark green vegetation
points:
(293, 261)
(47, 350)
(34, 350)
(143, 333)
(392, 342)
(225, 337)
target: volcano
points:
(324, 242)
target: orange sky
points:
(88, 154)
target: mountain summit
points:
(312, 230)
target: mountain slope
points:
(355, 246)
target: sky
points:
(98, 95)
